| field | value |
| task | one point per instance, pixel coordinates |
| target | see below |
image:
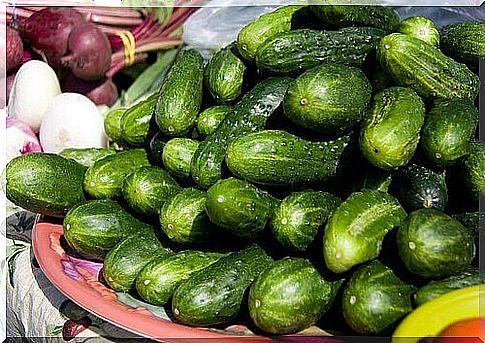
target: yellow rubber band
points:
(129, 46)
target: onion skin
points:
(102, 92)
(15, 49)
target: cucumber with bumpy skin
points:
(211, 118)
(177, 155)
(422, 28)
(474, 172)
(135, 122)
(464, 42)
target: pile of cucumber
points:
(324, 169)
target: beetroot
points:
(101, 92)
(89, 52)
(15, 49)
(48, 31)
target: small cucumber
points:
(112, 125)
(211, 118)
(421, 28)
(135, 122)
(177, 156)
(87, 156)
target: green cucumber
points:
(464, 42)
(422, 28)
(299, 217)
(432, 244)
(215, 294)
(380, 80)
(159, 279)
(44, 183)
(448, 129)
(123, 263)
(177, 156)
(390, 133)
(416, 64)
(250, 115)
(105, 178)
(147, 189)
(474, 170)
(211, 118)
(135, 122)
(356, 230)
(180, 96)
(276, 157)
(155, 148)
(289, 297)
(94, 227)
(239, 207)
(224, 75)
(87, 156)
(298, 50)
(184, 220)
(112, 125)
(375, 299)
(471, 220)
(267, 25)
(373, 179)
(329, 98)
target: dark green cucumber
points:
(135, 122)
(299, 217)
(432, 244)
(215, 294)
(469, 277)
(177, 156)
(250, 115)
(330, 98)
(180, 96)
(112, 125)
(105, 178)
(159, 279)
(425, 69)
(373, 179)
(380, 80)
(420, 187)
(298, 50)
(464, 42)
(155, 148)
(224, 75)
(355, 231)
(422, 28)
(472, 221)
(93, 228)
(390, 133)
(239, 207)
(87, 156)
(147, 189)
(474, 170)
(184, 220)
(123, 263)
(44, 183)
(276, 157)
(381, 17)
(375, 299)
(267, 25)
(211, 118)
(289, 297)
(448, 129)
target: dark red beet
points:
(15, 49)
(48, 31)
(89, 52)
(102, 92)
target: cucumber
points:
(211, 118)
(432, 244)
(289, 297)
(260, 29)
(379, 180)
(474, 170)
(239, 207)
(112, 125)
(380, 80)
(467, 278)
(135, 122)
(224, 75)
(159, 279)
(329, 98)
(94, 227)
(295, 51)
(464, 42)
(155, 148)
(147, 189)
(416, 64)
(422, 28)
(180, 96)
(177, 156)
(250, 115)
(381, 17)
(471, 220)
(390, 133)
(44, 183)
(420, 187)
(214, 295)
(276, 157)
(123, 263)
(184, 220)
(448, 129)
(298, 218)
(87, 156)
(375, 299)
(105, 178)
(356, 230)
